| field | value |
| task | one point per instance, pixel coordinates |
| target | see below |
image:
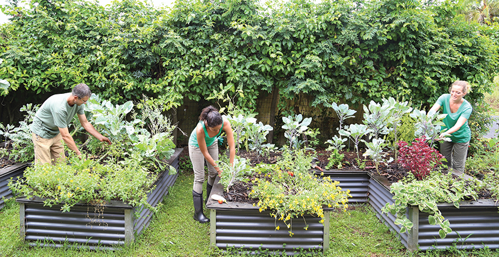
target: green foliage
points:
(377, 117)
(355, 132)
(375, 151)
(405, 131)
(291, 190)
(335, 159)
(233, 173)
(427, 194)
(22, 144)
(131, 138)
(485, 159)
(86, 181)
(428, 125)
(333, 51)
(294, 127)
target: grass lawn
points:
(173, 232)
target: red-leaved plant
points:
(419, 157)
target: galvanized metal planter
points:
(104, 226)
(474, 225)
(15, 171)
(242, 226)
(354, 180)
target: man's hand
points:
(105, 139)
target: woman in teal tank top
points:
(458, 112)
(203, 145)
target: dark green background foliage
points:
(350, 51)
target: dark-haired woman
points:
(203, 145)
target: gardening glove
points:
(220, 141)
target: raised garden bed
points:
(103, 226)
(14, 171)
(242, 226)
(474, 225)
(356, 181)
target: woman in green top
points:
(458, 112)
(203, 145)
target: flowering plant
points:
(290, 190)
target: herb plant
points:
(426, 194)
(335, 158)
(86, 181)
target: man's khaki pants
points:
(48, 150)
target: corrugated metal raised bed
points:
(103, 226)
(474, 225)
(242, 226)
(15, 171)
(354, 180)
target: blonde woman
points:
(458, 112)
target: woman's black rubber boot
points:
(208, 192)
(198, 207)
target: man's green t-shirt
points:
(463, 135)
(55, 113)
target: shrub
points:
(419, 157)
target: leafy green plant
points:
(21, 136)
(291, 190)
(335, 158)
(232, 174)
(355, 132)
(343, 113)
(294, 127)
(427, 194)
(132, 139)
(240, 124)
(86, 181)
(257, 134)
(396, 114)
(428, 125)
(4, 84)
(377, 117)
(485, 159)
(375, 151)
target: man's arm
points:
(68, 139)
(88, 127)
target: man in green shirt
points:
(50, 124)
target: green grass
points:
(173, 232)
